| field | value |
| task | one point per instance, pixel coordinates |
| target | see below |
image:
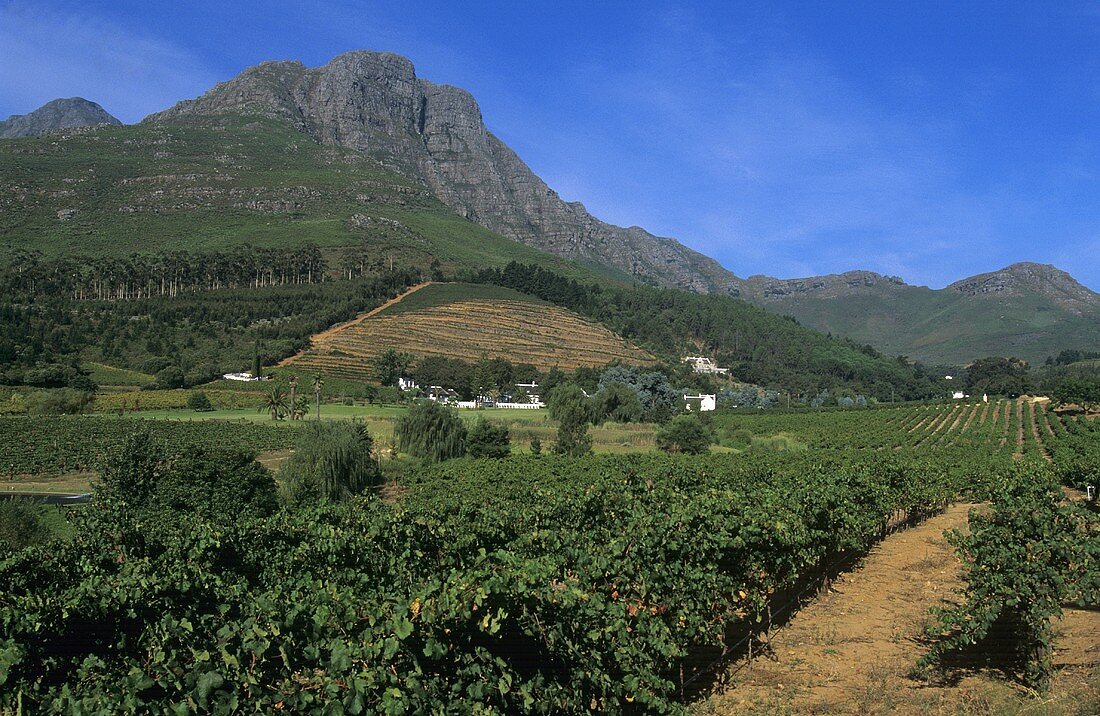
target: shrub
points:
(685, 434)
(332, 462)
(488, 440)
(143, 478)
(431, 431)
(25, 522)
(573, 411)
(170, 377)
(63, 401)
(618, 402)
(199, 402)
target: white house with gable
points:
(702, 364)
(707, 403)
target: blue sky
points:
(929, 140)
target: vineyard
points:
(1022, 427)
(34, 445)
(530, 584)
(468, 322)
(517, 586)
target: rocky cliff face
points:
(1022, 279)
(54, 115)
(374, 102)
(761, 289)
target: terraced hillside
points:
(467, 322)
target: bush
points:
(573, 411)
(332, 462)
(488, 440)
(170, 377)
(199, 402)
(431, 431)
(618, 402)
(25, 522)
(143, 478)
(685, 434)
(63, 401)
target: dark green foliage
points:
(332, 462)
(390, 365)
(998, 376)
(25, 522)
(760, 347)
(657, 399)
(574, 411)
(431, 431)
(489, 440)
(168, 378)
(78, 443)
(1069, 357)
(536, 445)
(200, 335)
(522, 586)
(685, 434)
(143, 479)
(1024, 560)
(198, 401)
(63, 401)
(1083, 392)
(445, 372)
(619, 402)
(216, 484)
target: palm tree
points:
(275, 402)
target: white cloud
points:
(45, 55)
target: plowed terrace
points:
(467, 322)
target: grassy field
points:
(468, 322)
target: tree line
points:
(166, 274)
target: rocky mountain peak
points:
(374, 102)
(55, 115)
(764, 288)
(1026, 277)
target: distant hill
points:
(467, 322)
(54, 115)
(1027, 310)
(374, 102)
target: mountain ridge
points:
(1026, 309)
(373, 102)
(433, 135)
(57, 114)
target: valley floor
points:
(851, 649)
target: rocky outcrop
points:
(1025, 278)
(761, 289)
(374, 102)
(55, 115)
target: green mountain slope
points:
(1027, 310)
(222, 182)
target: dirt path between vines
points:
(851, 649)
